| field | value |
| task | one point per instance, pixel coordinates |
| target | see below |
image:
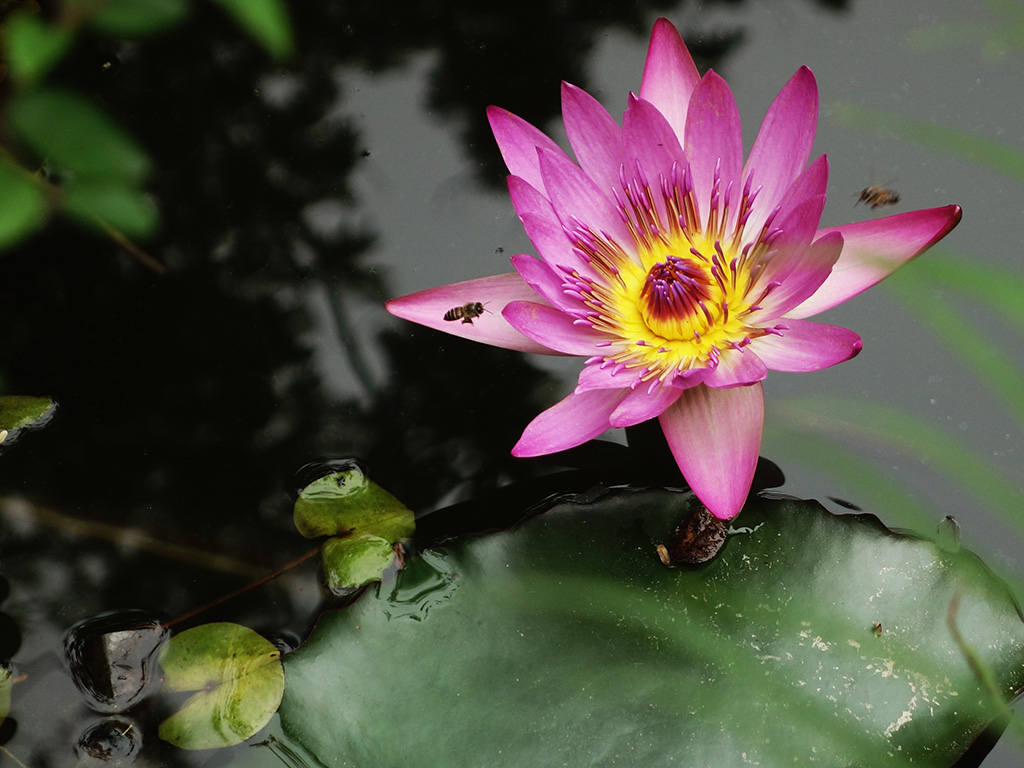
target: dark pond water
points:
(295, 199)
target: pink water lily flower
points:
(681, 273)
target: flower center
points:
(675, 299)
(684, 291)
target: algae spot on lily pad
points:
(366, 524)
(238, 679)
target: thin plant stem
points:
(242, 590)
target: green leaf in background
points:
(23, 206)
(111, 202)
(812, 638)
(348, 502)
(33, 47)
(20, 411)
(70, 132)
(266, 20)
(239, 680)
(138, 18)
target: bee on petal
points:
(466, 312)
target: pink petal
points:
(787, 253)
(715, 436)
(595, 137)
(577, 199)
(669, 75)
(872, 250)
(571, 422)
(806, 274)
(600, 376)
(429, 307)
(552, 328)
(652, 149)
(811, 183)
(544, 229)
(544, 281)
(714, 138)
(528, 199)
(689, 378)
(650, 140)
(806, 346)
(518, 142)
(737, 368)
(640, 406)
(784, 141)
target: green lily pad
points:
(21, 411)
(349, 502)
(811, 638)
(364, 520)
(239, 680)
(5, 691)
(354, 561)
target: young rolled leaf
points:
(239, 680)
(812, 638)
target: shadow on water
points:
(188, 401)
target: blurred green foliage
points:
(61, 152)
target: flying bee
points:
(876, 197)
(466, 312)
